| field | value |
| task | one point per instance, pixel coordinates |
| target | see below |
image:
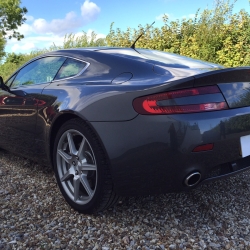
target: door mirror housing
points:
(1, 82)
(3, 86)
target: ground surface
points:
(34, 215)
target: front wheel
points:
(81, 168)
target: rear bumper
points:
(228, 169)
(153, 154)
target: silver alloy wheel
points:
(76, 166)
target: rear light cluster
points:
(147, 105)
(205, 147)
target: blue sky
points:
(49, 20)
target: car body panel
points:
(147, 153)
(20, 108)
(154, 154)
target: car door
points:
(19, 105)
(4, 115)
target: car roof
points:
(161, 57)
(96, 49)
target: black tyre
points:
(81, 168)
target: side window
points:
(70, 68)
(8, 83)
(40, 71)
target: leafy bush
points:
(214, 35)
(74, 41)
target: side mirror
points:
(1, 82)
(3, 86)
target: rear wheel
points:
(81, 168)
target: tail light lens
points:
(205, 147)
(150, 105)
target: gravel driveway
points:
(35, 216)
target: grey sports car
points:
(116, 122)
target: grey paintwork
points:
(146, 153)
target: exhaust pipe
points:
(192, 179)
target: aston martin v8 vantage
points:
(116, 122)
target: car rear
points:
(186, 132)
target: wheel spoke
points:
(76, 166)
(80, 151)
(86, 185)
(68, 174)
(87, 166)
(76, 182)
(64, 155)
(72, 147)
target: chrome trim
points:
(87, 65)
(190, 176)
(43, 56)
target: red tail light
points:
(205, 147)
(149, 104)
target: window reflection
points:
(40, 71)
(237, 94)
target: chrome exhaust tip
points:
(193, 179)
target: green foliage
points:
(14, 61)
(2, 45)
(43, 70)
(212, 35)
(78, 41)
(11, 16)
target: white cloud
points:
(34, 42)
(40, 26)
(70, 23)
(160, 17)
(24, 47)
(41, 33)
(89, 34)
(89, 11)
(31, 43)
(189, 16)
(172, 17)
(29, 18)
(25, 29)
(57, 26)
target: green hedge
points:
(215, 35)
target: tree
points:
(2, 45)
(84, 40)
(217, 35)
(11, 16)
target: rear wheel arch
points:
(102, 193)
(55, 128)
(58, 123)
